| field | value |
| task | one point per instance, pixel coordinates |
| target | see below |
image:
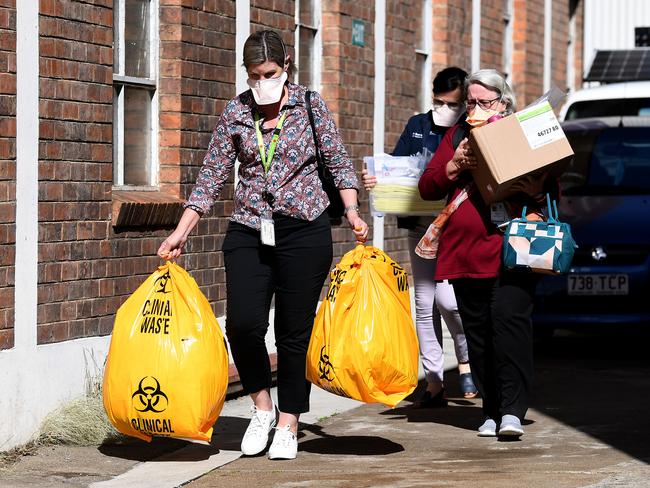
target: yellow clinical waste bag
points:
(167, 368)
(363, 344)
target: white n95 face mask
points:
(444, 116)
(269, 90)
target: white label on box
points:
(540, 125)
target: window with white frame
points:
(135, 114)
(423, 56)
(307, 43)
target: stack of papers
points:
(397, 191)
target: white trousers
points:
(433, 300)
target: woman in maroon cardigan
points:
(495, 305)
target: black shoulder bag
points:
(336, 207)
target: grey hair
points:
(493, 80)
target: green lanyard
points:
(268, 158)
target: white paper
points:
(540, 125)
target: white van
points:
(615, 99)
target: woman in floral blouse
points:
(279, 239)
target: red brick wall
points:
(348, 88)
(87, 268)
(194, 92)
(197, 77)
(492, 25)
(452, 34)
(528, 50)
(75, 170)
(278, 15)
(7, 169)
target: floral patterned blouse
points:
(292, 182)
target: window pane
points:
(306, 12)
(306, 61)
(137, 136)
(610, 161)
(612, 107)
(136, 38)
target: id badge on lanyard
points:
(267, 227)
(498, 213)
(267, 231)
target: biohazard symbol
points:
(160, 285)
(325, 368)
(149, 396)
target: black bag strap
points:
(313, 128)
(459, 135)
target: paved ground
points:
(164, 463)
(588, 427)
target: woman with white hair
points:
(495, 305)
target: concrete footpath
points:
(587, 427)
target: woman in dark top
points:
(278, 241)
(495, 305)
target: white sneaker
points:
(488, 428)
(256, 436)
(510, 427)
(284, 445)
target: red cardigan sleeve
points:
(434, 184)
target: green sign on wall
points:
(358, 31)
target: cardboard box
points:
(527, 142)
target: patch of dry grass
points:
(82, 421)
(79, 422)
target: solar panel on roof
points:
(620, 65)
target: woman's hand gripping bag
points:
(363, 344)
(167, 368)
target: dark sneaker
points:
(427, 400)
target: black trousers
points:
(294, 271)
(496, 317)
